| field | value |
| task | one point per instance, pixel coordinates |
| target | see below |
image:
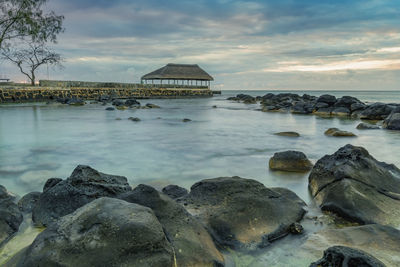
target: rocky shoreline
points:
(97, 219)
(387, 114)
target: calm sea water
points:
(39, 141)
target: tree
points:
(26, 19)
(29, 59)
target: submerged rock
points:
(338, 133)
(382, 242)
(149, 105)
(83, 186)
(10, 215)
(355, 186)
(288, 134)
(341, 111)
(392, 122)
(192, 243)
(291, 161)
(105, 232)
(110, 108)
(342, 256)
(174, 191)
(186, 120)
(75, 102)
(134, 119)
(243, 213)
(367, 126)
(27, 202)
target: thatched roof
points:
(179, 72)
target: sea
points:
(224, 138)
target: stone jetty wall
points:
(38, 94)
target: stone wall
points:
(37, 94)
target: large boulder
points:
(355, 186)
(10, 215)
(381, 242)
(83, 186)
(192, 243)
(105, 232)
(342, 256)
(174, 191)
(243, 213)
(27, 202)
(291, 161)
(392, 122)
(376, 111)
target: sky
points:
(244, 45)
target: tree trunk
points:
(33, 78)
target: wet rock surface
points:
(338, 133)
(288, 134)
(83, 186)
(242, 213)
(357, 187)
(27, 202)
(367, 126)
(342, 256)
(174, 191)
(392, 122)
(192, 243)
(291, 161)
(10, 215)
(105, 232)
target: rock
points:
(366, 126)
(319, 105)
(357, 106)
(243, 213)
(340, 111)
(357, 187)
(132, 103)
(338, 133)
(122, 107)
(247, 99)
(50, 183)
(192, 243)
(296, 228)
(105, 232)
(110, 108)
(346, 257)
(392, 122)
(10, 215)
(149, 105)
(214, 106)
(75, 102)
(376, 111)
(27, 202)
(83, 186)
(292, 161)
(302, 108)
(381, 242)
(288, 134)
(134, 119)
(186, 120)
(118, 102)
(174, 191)
(118, 119)
(328, 99)
(323, 111)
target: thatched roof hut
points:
(185, 73)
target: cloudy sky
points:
(274, 44)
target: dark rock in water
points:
(392, 122)
(118, 102)
(149, 105)
(233, 98)
(288, 134)
(341, 256)
(323, 111)
(186, 120)
(83, 186)
(192, 243)
(376, 111)
(27, 202)
(291, 161)
(348, 102)
(366, 126)
(296, 228)
(302, 108)
(319, 105)
(357, 187)
(340, 111)
(247, 99)
(105, 232)
(243, 213)
(75, 102)
(215, 106)
(174, 191)
(329, 99)
(10, 215)
(134, 119)
(382, 242)
(110, 108)
(50, 183)
(338, 133)
(132, 103)
(357, 106)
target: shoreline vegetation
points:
(92, 218)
